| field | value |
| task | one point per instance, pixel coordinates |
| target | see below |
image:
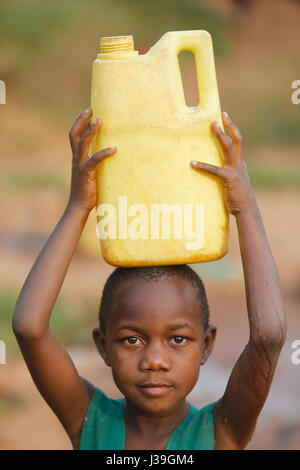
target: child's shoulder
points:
(89, 387)
(196, 431)
(100, 404)
(99, 395)
(103, 407)
(103, 426)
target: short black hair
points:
(148, 273)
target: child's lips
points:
(155, 389)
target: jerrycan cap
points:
(117, 47)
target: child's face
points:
(155, 342)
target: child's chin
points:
(156, 406)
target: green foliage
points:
(48, 47)
(276, 122)
(71, 321)
(267, 178)
(7, 302)
(31, 23)
(23, 178)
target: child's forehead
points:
(156, 281)
(167, 295)
(171, 286)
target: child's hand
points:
(83, 191)
(238, 194)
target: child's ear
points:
(208, 342)
(100, 343)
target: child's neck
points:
(152, 428)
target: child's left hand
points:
(238, 194)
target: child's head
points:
(154, 329)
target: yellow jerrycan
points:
(153, 207)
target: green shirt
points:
(104, 427)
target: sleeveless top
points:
(104, 427)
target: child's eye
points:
(131, 340)
(179, 340)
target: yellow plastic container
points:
(153, 208)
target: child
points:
(154, 330)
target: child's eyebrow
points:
(176, 326)
(129, 327)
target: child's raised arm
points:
(49, 364)
(250, 380)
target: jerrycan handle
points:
(199, 42)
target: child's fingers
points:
(212, 169)
(234, 132)
(92, 162)
(79, 127)
(76, 139)
(80, 122)
(225, 142)
(87, 138)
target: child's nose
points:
(154, 358)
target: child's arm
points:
(250, 380)
(49, 364)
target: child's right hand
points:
(83, 191)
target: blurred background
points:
(47, 49)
